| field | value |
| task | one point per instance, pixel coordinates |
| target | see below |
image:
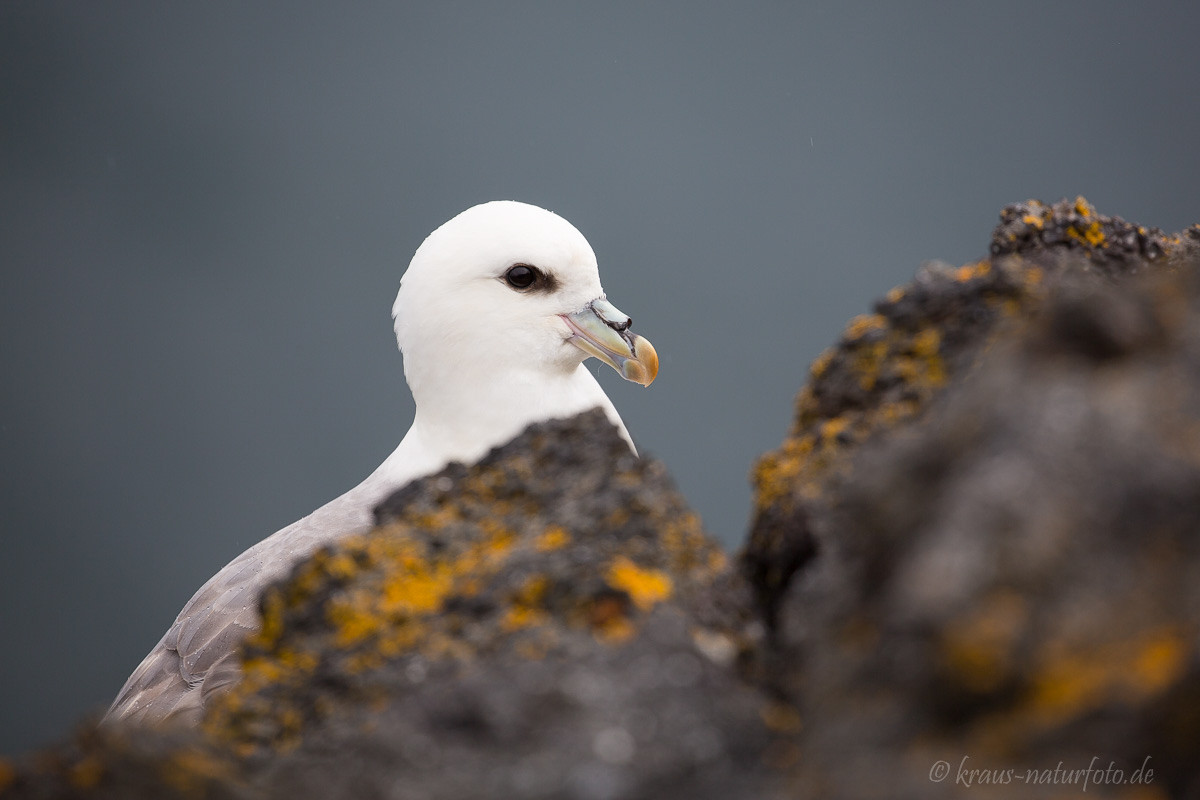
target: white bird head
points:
(509, 288)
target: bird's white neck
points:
(465, 417)
(471, 418)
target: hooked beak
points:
(601, 330)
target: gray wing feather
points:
(197, 658)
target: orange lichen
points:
(969, 272)
(867, 360)
(607, 615)
(830, 428)
(452, 577)
(646, 587)
(781, 717)
(821, 363)
(86, 773)
(555, 537)
(978, 648)
(1070, 682)
(1159, 661)
(189, 771)
(1092, 234)
(909, 356)
(864, 324)
(527, 605)
(416, 588)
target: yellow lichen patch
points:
(821, 363)
(340, 565)
(618, 517)
(272, 619)
(555, 537)
(311, 574)
(435, 520)
(1034, 220)
(518, 617)
(615, 631)
(353, 624)
(688, 547)
(188, 771)
(977, 648)
(864, 324)
(527, 606)
(830, 428)
(416, 588)
(261, 670)
(365, 661)
(969, 272)
(296, 660)
(927, 343)
(86, 773)
(607, 614)
(1159, 661)
(1083, 208)
(645, 587)
(1072, 682)
(781, 717)
(1092, 234)
(533, 591)
(895, 294)
(776, 473)
(866, 362)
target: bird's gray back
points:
(197, 657)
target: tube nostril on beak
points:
(611, 315)
(620, 327)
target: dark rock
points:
(891, 364)
(1005, 568)
(1110, 245)
(1014, 581)
(130, 764)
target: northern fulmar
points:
(495, 316)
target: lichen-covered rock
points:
(889, 365)
(1109, 245)
(561, 535)
(522, 627)
(1015, 582)
(1003, 552)
(126, 764)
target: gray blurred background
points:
(205, 210)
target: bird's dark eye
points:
(521, 276)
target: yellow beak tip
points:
(643, 367)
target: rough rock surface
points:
(980, 539)
(1015, 581)
(995, 485)
(501, 635)
(890, 364)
